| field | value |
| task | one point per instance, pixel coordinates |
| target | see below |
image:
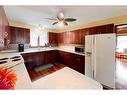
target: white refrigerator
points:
(100, 58)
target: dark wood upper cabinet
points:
(60, 38)
(53, 38)
(27, 35)
(13, 35)
(109, 28)
(19, 35)
(78, 36)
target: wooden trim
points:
(122, 33)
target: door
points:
(104, 56)
(89, 55)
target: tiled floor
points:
(121, 74)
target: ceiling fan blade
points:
(70, 19)
(54, 23)
(65, 23)
(51, 18)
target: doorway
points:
(121, 57)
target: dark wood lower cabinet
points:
(39, 58)
(74, 61)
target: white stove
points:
(10, 61)
(15, 62)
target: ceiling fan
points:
(61, 20)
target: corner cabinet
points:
(74, 61)
(19, 35)
(35, 59)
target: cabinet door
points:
(61, 57)
(84, 32)
(51, 38)
(20, 35)
(30, 60)
(80, 63)
(13, 35)
(50, 57)
(60, 38)
(67, 59)
(107, 29)
(76, 37)
(27, 36)
(94, 30)
(67, 37)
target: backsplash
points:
(15, 46)
(70, 47)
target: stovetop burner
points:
(2, 62)
(15, 57)
(3, 59)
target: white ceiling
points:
(84, 14)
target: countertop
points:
(24, 81)
(40, 50)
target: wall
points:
(3, 27)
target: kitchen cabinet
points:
(3, 28)
(78, 36)
(35, 59)
(109, 28)
(74, 61)
(67, 37)
(32, 59)
(19, 35)
(83, 33)
(60, 38)
(79, 63)
(53, 38)
(27, 35)
(75, 36)
(50, 56)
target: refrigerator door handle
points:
(88, 53)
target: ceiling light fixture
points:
(40, 27)
(61, 23)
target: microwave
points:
(79, 49)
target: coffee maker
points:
(20, 47)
